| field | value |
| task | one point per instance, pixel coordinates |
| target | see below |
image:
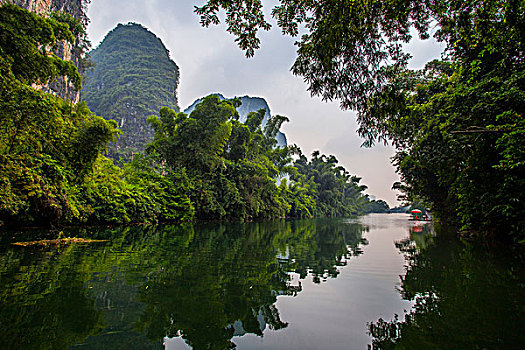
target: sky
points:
(209, 62)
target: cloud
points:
(423, 50)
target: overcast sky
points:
(209, 61)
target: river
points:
(376, 282)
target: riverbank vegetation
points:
(206, 165)
(457, 124)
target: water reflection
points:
(41, 303)
(467, 296)
(204, 284)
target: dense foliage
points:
(248, 104)
(52, 170)
(132, 78)
(47, 145)
(377, 206)
(457, 124)
(138, 192)
(333, 190)
(234, 167)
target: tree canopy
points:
(237, 170)
(349, 49)
(457, 125)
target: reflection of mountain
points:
(249, 104)
(466, 297)
(238, 329)
(206, 284)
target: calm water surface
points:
(377, 282)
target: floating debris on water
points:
(46, 242)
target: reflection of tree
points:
(207, 283)
(421, 236)
(47, 306)
(228, 273)
(319, 247)
(53, 297)
(466, 297)
(133, 254)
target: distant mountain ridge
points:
(249, 104)
(133, 78)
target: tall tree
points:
(335, 191)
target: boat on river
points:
(418, 215)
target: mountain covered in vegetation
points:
(133, 77)
(74, 14)
(248, 104)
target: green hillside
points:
(132, 78)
